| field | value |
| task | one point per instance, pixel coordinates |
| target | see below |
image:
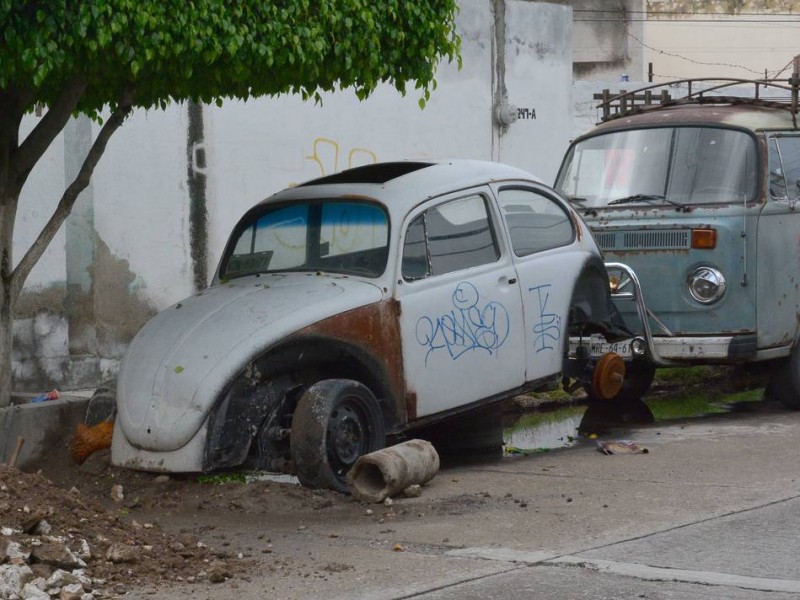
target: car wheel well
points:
(251, 422)
(591, 309)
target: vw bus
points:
(694, 202)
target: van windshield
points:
(678, 166)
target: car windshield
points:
(323, 235)
(673, 166)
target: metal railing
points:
(705, 90)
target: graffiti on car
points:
(467, 327)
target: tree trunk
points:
(8, 210)
(9, 196)
(6, 333)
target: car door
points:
(461, 312)
(548, 262)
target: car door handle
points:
(512, 281)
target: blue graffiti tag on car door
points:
(469, 326)
(547, 329)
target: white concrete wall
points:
(608, 39)
(539, 79)
(743, 46)
(140, 194)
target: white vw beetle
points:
(363, 305)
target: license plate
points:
(622, 348)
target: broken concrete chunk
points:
(31, 592)
(117, 494)
(59, 579)
(122, 553)
(57, 555)
(413, 491)
(42, 528)
(85, 552)
(12, 552)
(73, 591)
(219, 572)
(13, 578)
(31, 522)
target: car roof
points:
(401, 185)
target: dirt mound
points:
(56, 528)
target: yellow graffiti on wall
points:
(325, 152)
(343, 237)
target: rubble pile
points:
(54, 543)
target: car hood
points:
(181, 360)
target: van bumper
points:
(723, 349)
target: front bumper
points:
(187, 459)
(666, 351)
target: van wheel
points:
(784, 385)
(336, 421)
(639, 376)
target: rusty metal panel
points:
(376, 329)
(754, 118)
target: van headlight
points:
(706, 285)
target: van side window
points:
(784, 168)
(535, 222)
(449, 237)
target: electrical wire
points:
(684, 12)
(705, 63)
(624, 20)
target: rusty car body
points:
(362, 305)
(698, 194)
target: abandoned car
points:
(361, 305)
(698, 193)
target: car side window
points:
(452, 236)
(784, 168)
(535, 222)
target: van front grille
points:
(664, 239)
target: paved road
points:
(712, 511)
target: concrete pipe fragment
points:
(386, 473)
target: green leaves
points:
(173, 50)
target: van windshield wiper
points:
(576, 199)
(649, 198)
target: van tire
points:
(336, 421)
(784, 385)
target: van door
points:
(778, 245)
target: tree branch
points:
(34, 253)
(46, 130)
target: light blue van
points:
(695, 204)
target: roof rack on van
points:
(704, 91)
